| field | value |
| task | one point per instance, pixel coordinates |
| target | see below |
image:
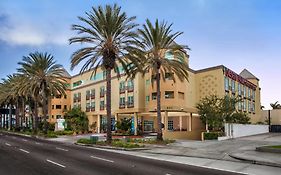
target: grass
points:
(152, 141)
(275, 146)
(115, 143)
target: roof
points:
(247, 75)
(66, 74)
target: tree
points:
(109, 36)
(44, 77)
(275, 105)
(156, 40)
(77, 120)
(214, 111)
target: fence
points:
(241, 130)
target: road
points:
(30, 156)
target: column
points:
(190, 122)
(135, 123)
(166, 121)
(98, 124)
(180, 123)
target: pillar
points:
(135, 123)
(180, 123)
(98, 124)
(190, 122)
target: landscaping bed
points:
(270, 149)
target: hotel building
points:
(136, 99)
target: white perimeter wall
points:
(241, 130)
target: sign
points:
(229, 73)
(60, 124)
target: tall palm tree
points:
(156, 40)
(109, 35)
(44, 77)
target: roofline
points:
(209, 68)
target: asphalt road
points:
(30, 156)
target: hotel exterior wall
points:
(275, 116)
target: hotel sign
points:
(229, 73)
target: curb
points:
(256, 161)
(24, 135)
(111, 147)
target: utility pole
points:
(269, 122)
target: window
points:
(102, 91)
(122, 87)
(254, 95)
(53, 106)
(245, 91)
(181, 95)
(122, 102)
(93, 106)
(233, 86)
(58, 106)
(245, 105)
(249, 93)
(170, 124)
(226, 83)
(147, 82)
(254, 109)
(58, 117)
(154, 96)
(147, 98)
(58, 96)
(65, 96)
(93, 94)
(239, 106)
(249, 106)
(169, 76)
(77, 83)
(130, 101)
(65, 107)
(103, 75)
(130, 86)
(239, 89)
(102, 105)
(88, 95)
(169, 94)
(52, 116)
(88, 107)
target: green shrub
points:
(63, 132)
(51, 135)
(212, 135)
(85, 141)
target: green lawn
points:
(275, 146)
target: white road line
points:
(24, 151)
(7, 144)
(55, 163)
(24, 140)
(99, 158)
(37, 143)
(61, 149)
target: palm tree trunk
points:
(35, 118)
(159, 129)
(108, 104)
(45, 108)
(17, 113)
(10, 117)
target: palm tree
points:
(156, 40)
(43, 78)
(275, 105)
(109, 35)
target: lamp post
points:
(269, 122)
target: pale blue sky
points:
(236, 33)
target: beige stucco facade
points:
(137, 99)
(275, 116)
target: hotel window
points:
(254, 109)
(147, 82)
(122, 87)
(245, 91)
(122, 102)
(169, 94)
(93, 106)
(254, 95)
(169, 76)
(233, 86)
(88, 107)
(93, 94)
(181, 95)
(102, 105)
(58, 106)
(53, 106)
(103, 75)
(88, 95)
(65, 107)
(130, 86)
(65, 96)
(77, 83)
(245, 105)
(154, 96)
(249, 106)
(58, 117)
(58, 96)
(147, 98)
(249, 93)
(130, 101)
(226, 83)
(170, 125)
(102, 91)
(239, 89)
(239, 106)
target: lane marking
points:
(55, 163)
(7, 144)
(61, 149)
(37, 143)
(24, 151)
(24, 140)
(99, 158)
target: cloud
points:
(25, 32)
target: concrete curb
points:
(111, 147)
(24, 135)
(258, 162)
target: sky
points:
(235, 33)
